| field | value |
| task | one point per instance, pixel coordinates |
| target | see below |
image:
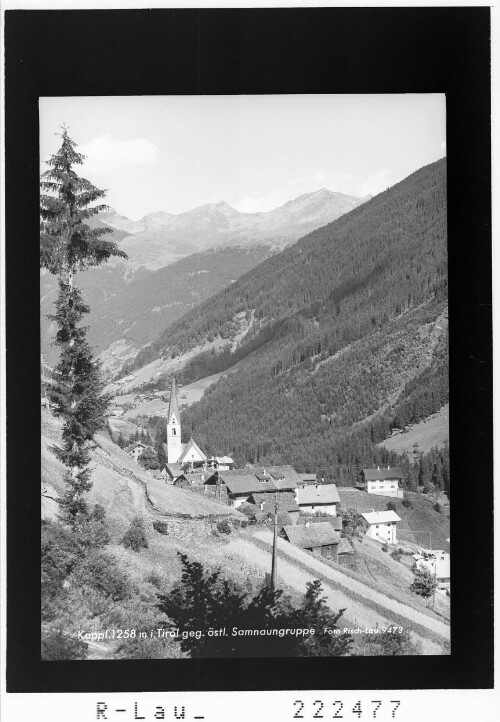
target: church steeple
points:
(174, 446)
(173, 406)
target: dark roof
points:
(135, 444)
(243, 483)
(315, 535)
(286, 472)
(173, 470)
(395, 472)
(308, 478)
(318, 494)
(286, 501)
(345, 547)
(335, 521)
(173, 407)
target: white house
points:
(383, 481)
(136, 450)
(381, 525)
(318, 497)
(438, 564)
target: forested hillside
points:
(337, 284)
(132, 305)
(349, 338)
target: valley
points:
(260, 368)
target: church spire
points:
(174, 446)
(173, 407)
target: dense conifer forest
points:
(337, 284)
(348, 340)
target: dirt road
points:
(365, 606)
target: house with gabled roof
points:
(241, 484)
(385, 481)
(136, 449)
(381, 525)
(288, 510)
(320, 539)
(318, 497)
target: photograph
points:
(244, 376)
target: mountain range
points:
(336, 338)
(159, 238)
(176, 262)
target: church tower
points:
(173, 427)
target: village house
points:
(288, 510)
(136, 449)
(308, 479)
(385, 481)
(241, 484)
(222, 463)
(320, 539)
(335, 521)
(381, 525)
(318, 497)
(437, 562)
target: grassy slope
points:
(366, 604)
(415, 524)
(118, 484)
(428, 433)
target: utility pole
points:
(275, 543)
(435, 583)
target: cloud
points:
(105, 155)
(374, 184)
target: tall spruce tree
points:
(67, 245)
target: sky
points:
(174, 153)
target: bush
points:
(391, 506)
(224, 527)
(102, 573)
(385, 548)
(135, 536)
(438, 507)
(161, 527)
(391, 643)
(396, 554)
(407, 503)
(157, 580)
(58, 645)
(205, 600)
(423, 583)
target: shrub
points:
(135, 536)
(157, 580)
(224, 527)
(385, 548)
(396, 554)
(205, 600)
(58, 645)
(391, 643)
(161, 527)
(423, 583)
(438, 507)
(407, 503)
(391, 506)
(102, 573)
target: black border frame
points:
(340, 50)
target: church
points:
(177, 452)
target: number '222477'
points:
(369, 710)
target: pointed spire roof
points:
(173, 407)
